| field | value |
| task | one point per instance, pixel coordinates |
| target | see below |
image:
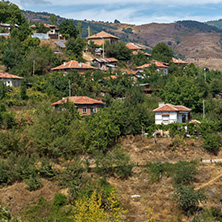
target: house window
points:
(84, 109)
(165, 116)
(93, 109)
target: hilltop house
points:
(101, 37)
(73, 65)
(10, 80)
(85, 105)
(105, 64)
(179, 62)
(134, 48)
(168, 113)
(160, 67)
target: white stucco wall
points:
(12, 82)
(159, 117)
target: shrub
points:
(188, 199)
(114, 163)
(46, 169)
(60, 199)
(156, 169)
(212, 143)
(33, 182)
(184, 173)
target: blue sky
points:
(128, 11)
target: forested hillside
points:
(57, 164)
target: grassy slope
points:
(157, 195)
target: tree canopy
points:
(10, 13)
(162, 52)
(68, 28)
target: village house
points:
(168, 113)
(135, 74)
(160, 67)
(101, 37)
(179, 62)
(7, 27)
(85, 105)
(10, 80)
(146, 88)
(105, 64)
(134, 48)
(74, 65)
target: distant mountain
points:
(190, 39)
(216, 23)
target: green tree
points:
(119, 50)
(10, 13)
(23, 93)
(41, 28)
(53, 19)
(162, 52)
(188, 198)
(184, 91)
(75, 46)
(80, 29)
(68, 28)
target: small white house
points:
(10, 80)
(168, 113)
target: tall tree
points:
(53, 19)
(68, 28)
(80, 29)
(10, 13)
(162, 52)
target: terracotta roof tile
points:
(178, 61)
(73, 65)
(5, 75)
(132, 46)
(171, 108)
(78, 100)
(102, 34)
(143, 66)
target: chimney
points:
(64, 63)
(161, 104)
(79, 64)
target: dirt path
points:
(209, 182)
(88, 57)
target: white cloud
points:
(119, 2)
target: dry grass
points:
(17, 197)
(156, 195)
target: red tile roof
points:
(112, 59)
(159, 64)
(132, 46)
(78, 100)
(103, 34)
(73, 65)
(111, 77)
(5, 75)
(133, 72)
(171, 108)
(178, 61)
(143, 66)
(194, 121)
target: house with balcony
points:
(101, 37)
(85, 105)
(168, 113)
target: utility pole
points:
(33, 71)
(69, 88)
(203, 109)
(103, 45)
